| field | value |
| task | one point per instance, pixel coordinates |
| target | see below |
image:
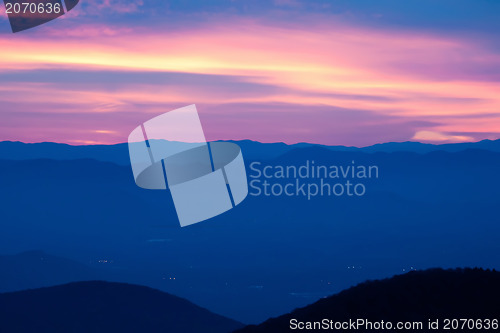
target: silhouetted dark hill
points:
(414, 297)
(105, 307)
(35, 269)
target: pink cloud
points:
(395, 84)
(3, 14)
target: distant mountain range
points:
(413, 297)
(97, 306)
(35, 269)
(252, 150)
(265, 257)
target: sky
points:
(333, 72)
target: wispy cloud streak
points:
(393, 85)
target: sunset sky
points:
(321, 71)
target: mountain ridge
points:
(417, 296)
(35, 269)
(254, 150)
(99, 306)
(437, 209)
